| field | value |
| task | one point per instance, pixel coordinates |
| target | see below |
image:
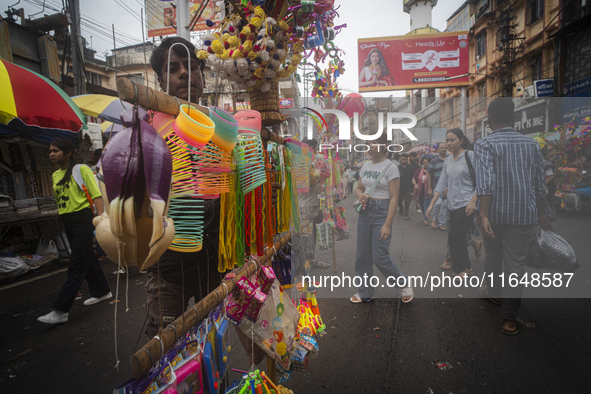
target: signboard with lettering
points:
(413, 62)
(544, 88)
(161, 16)
(285, 103)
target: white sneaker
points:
(54, 317)
(419, 211)
(93, 300)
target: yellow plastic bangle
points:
(194, 127)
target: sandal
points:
(358, 300)
(469, 272)
(519, 325)
(321, 264)
(426, 222)
(407, 293)
(434, 225)
(484, 295)
(442, 228)
(446, 265)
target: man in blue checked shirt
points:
(510, 187)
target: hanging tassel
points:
(240, 236)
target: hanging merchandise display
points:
(250, 47)
(302, 157)
(186, 208)
(135, 175)
(249, 151)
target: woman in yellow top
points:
(76, 215)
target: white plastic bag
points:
(11, 267)
(48, 250)
(556, 253)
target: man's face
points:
(413, 158)
(442, 150)
(404, 161)
(179, 77)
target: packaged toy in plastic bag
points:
(550, 251)
(275, 329)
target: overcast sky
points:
(369, 18)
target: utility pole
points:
(182, 19)
(506, 29)
(77, 49)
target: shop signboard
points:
(438, 134)
(285, 103)
(413, 62)
(161, 16)
(544, 88)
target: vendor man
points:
(182, 275)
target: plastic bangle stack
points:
(249, 151)
(193, 127)
(185, 209)
(302, 157)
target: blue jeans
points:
(370, 250)
(440, 212)
(424, 200)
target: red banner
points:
(413, 62)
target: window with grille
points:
(481, 44)
(535, 10)
(537, 71)
(417, 101)
(430, 96)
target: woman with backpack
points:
(76, 214)
(459, 178)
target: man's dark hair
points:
(413, 154)
(396, 156)
(404, 154)
(157, 60)
(501, 111)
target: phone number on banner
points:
(429, 79)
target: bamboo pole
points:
(147, 356)
(162, 102)
(151, 99)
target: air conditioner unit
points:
(529, 91)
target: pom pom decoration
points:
(249, 46)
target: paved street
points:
(382, 347)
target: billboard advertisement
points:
(413, 62)
(162, 16)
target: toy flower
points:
(265, 87)
(258, 11)
(257, 22)
(233, 41)
(202, 54)
(283, 25)
(217, 47)
(237, 54)
(247, 46)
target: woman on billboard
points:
(375, 72)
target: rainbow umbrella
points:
(34, 107)
(102, 106)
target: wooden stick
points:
(151, 99)
(142, 361)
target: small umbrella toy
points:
(108, 108)
(34, 107)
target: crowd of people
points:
(497, 186)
